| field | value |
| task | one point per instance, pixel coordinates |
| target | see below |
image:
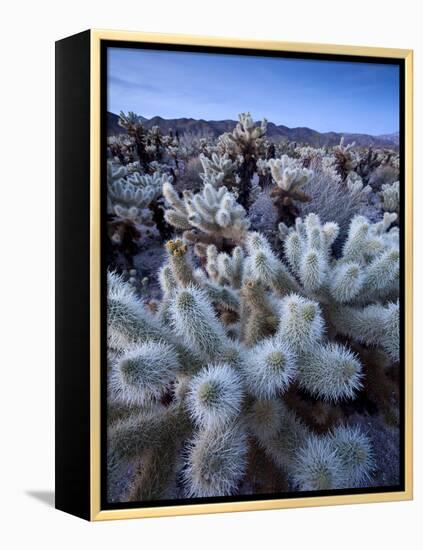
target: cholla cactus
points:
(121, 149)
(244, 135)
(130, 195)
(319, 466)
(243, 353)
(263, 172)
(329, 168)
(367, 162)
(344, 159)
(363, 281)
(126, 201)
(216, 462)
(355, 453)
(144, 146)
(289, 177)
(133, 200)
(246, 145)
(390, 197)
(310, 155)
(115, 172)
(225, 269)
(288, 174)
(144, 373)
(210, 216)
(228, 383)
(218, 170)
(132, 123)
(155, 142)
(356, 186)
(215, 397)
(154, 185)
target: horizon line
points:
(269, 121)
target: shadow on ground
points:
(46, 497)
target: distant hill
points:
(393, 138)
(276, 132)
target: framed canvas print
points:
(234, 279)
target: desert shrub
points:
(333, 200)
(191, 179)
(383, 175)
(192, 144)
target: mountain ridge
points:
(274, 131)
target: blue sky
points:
(325, 96)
